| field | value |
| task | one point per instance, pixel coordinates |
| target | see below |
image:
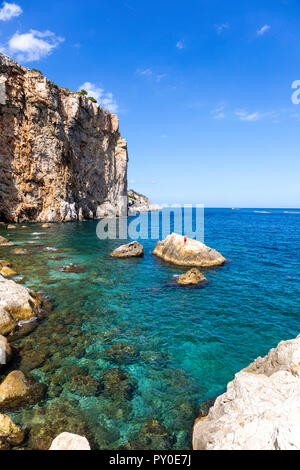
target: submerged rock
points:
(68, 441)
(192, 277)
(10, 433)
(59, 416)
(117, 383)
(73, 268)
(18, 390)
(131, 250)
(154, 436)
(192, 253)
(84, 385)
(122, 353)
(5, 242)
(20, 251)
(31, 360)
(260, 409)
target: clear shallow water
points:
(185, 343)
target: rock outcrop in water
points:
(62, 157)
(192, 253)
(192, 277)
(131, 250)
(139, 203)
(261, 408)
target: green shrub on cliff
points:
(92, 99)
(83, 92)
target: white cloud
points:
(218, 113)
(221, 27)
(145, 72)
(245, 116)
(150, 73)
(180, 44)
(263, 30)
(32, 46)
(103, 97)
(9, 10)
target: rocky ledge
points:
(190, 253)
(140, 203)
(260, 409)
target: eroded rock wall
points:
(62, 157)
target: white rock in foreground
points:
(68, 441)
(261, 408)
(190, 253)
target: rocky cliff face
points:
(140, 203)
(62, 157)
(260, 409)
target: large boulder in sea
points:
(69, 441)
(18, 390)
(260, 409)
(131, 250)
(190, 253)
(17, 303)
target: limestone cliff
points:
(62, 157)
(139, 203)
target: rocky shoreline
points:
(254, 413)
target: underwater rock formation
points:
(260, 409)
(62, 157)
(192, 253)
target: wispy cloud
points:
(104, 98)
(221, 27)
(32, 46)
(218, 112)
(255, 116)
(149, 73)
(180, 44)
(9, 11)
(263, 30)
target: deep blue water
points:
(189, 341)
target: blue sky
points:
(202, 88)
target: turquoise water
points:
(185, 343)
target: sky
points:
(202, 88)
